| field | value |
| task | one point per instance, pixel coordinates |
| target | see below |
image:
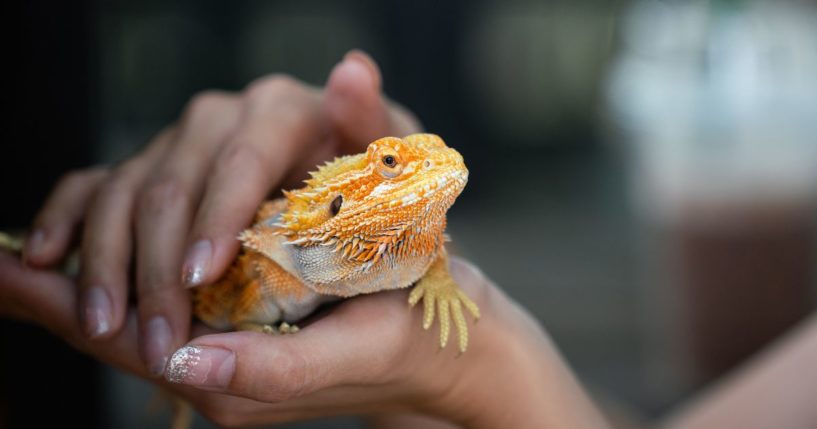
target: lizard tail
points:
(14, 243)
(182, 414)
(11, 242)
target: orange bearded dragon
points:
(363, 223)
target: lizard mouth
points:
(441, 190)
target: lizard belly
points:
(330, 272)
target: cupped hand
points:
(174, 210)
(368, 355)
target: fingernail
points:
(196, 263)
(34, 244)
(156, 341)
(98, 312)
(201, 366)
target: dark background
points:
(519, 88)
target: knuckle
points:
(471, 278)
(274, 85)
(240, 155)
(73, 179)
(205, 105)
(127, 169)
(291, 379)
(161, 196)
(118, 188)
(118, 183)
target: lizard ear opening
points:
(336, 204)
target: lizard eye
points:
(334, 208)
(389, 165)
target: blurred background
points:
(643, 173)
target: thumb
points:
(367, 340)
(328, 352)
(357, 110)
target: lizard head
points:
(376, 196)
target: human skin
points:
(368, 355)
(201, 180)
(189, 193)
(777, 388)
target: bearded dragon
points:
(363, 223)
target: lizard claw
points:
(283, 328)
(286, 328)
(446, 299)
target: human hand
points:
(176, 208)
(368, 355)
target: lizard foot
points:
(283, 328)
(446, 298)
(257, 327)
(286, 328)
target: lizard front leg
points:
(255, 295)
(273, 295)
(441, 294)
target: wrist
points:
(515, 377)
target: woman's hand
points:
(176, 208)
(368, 355)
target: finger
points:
(106, 244)
(326, 353)
(57, 221)
(281, 122)
(357, 110)
(164, 209)
(49, 300)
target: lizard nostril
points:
(427, 164)
(334, 208)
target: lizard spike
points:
(360, 249)
(368, 256)
(249, 238)
(301, 240)
(377, 255)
